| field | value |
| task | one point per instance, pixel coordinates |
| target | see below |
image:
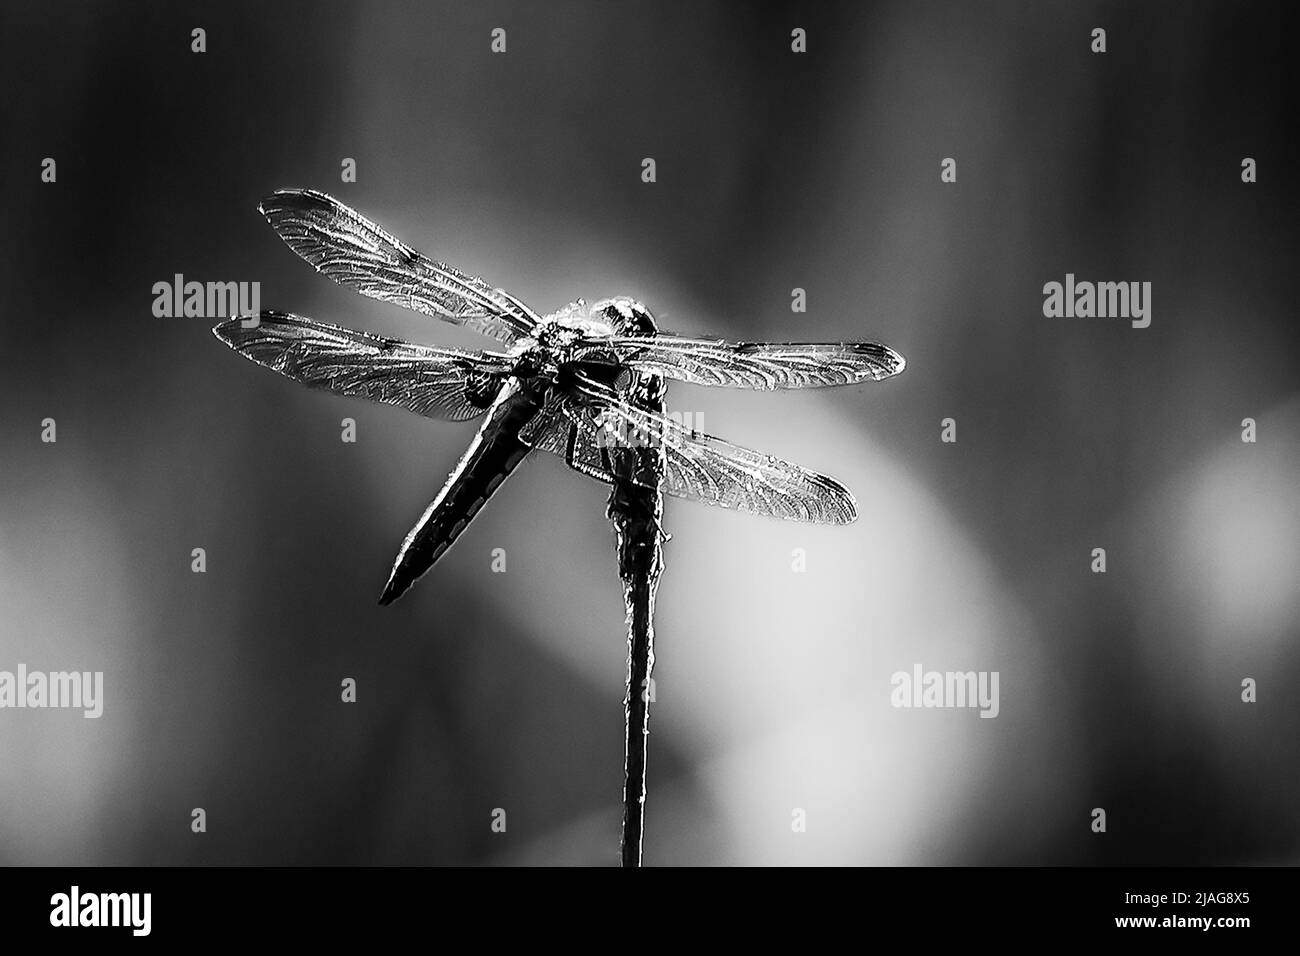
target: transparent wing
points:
(437, 383)
(703, 468)
(355, 252)
(554, 430)
(751, 364)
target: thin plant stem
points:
(636, 508)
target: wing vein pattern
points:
(710, 470)
(448, 384)
(355, 252)
(754, 365)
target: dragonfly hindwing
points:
(554, 430)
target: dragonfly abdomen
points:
(495, 452)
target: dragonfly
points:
(585, 382)
(573, 382)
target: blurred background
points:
(774, 171)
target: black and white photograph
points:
(571, 434)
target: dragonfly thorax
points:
(568, 335)
(556, 358)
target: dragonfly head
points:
(625, 315)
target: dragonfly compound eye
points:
(627, 316)
(623, 379)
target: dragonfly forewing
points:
(750, 364)
(355, 252)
